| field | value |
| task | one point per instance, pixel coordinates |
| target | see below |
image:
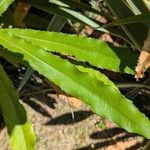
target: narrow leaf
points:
(96, 52)
(130, 20)
(90, 86)
(12, 58)
(56, 24)
(120, 11)
(26, 78)
(79, 5)
(77, 16)
(147, 4)
(19, 129)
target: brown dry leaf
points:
(88, 30)
(72, 100)
(106, 38)
(144, 59)
(143, 64)
(21, 10)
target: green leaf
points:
(120, 10)
(137, 7)
(12, 58)
(96, 52)
(66, 12)
(4, 4)
(92, 87)
(147, 4)
(140, 7)
(77, 16)
(130, 20)
(26, 78)
(56, 24)
(79, 5)
(19, 129)
(101, 125)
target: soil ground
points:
(60, 126)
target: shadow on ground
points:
(110, 137)
(70, 118)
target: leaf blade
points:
(130, 20)
(4, 4)
(77, 16)
(79, 5)
(96, 52)
(120, 11)
(72, 79)
(18, 127)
